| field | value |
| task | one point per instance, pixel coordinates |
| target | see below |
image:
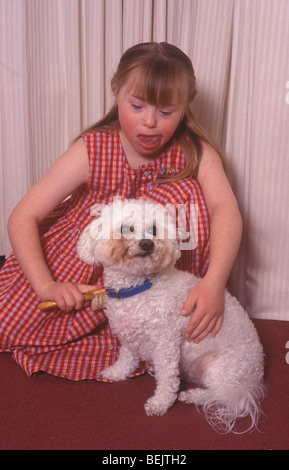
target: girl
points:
(148, 145)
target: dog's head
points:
(136, 236)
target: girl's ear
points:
(114, 89)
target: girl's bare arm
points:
(69, 171)
(226, 229)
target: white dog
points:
(145, 295)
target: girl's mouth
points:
(149, 141)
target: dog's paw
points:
(193, 396)
(156, 407)
(183, 396)
(112, 373)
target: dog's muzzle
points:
(147, 246)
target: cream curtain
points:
(57, 58)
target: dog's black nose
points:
(147, 245)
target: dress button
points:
(146, 173)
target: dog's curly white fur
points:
(227, 368)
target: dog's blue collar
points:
(130, 291)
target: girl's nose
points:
(150, 119)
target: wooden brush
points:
(97, 296)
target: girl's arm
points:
(207, 298)
(68, 172)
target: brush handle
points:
(49, 304)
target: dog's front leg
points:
(166, 368)
(125, 365)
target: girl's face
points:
(145, 128)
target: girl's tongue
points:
(149, 140)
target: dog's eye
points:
(127, 229)
(152, 230)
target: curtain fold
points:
(257, 144)
(56, 61)
(15, 166)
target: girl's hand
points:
(205, 304)
(67, 295)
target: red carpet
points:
(49, 413)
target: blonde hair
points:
(160, 71)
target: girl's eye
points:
(166, 113)
(152, 230)
(125, 229)
(137, 107)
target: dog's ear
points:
(181, 234)
(85, 246)
(97, 209)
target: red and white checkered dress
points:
(77, 345)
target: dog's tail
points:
(223, 407)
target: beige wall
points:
(57, 58)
